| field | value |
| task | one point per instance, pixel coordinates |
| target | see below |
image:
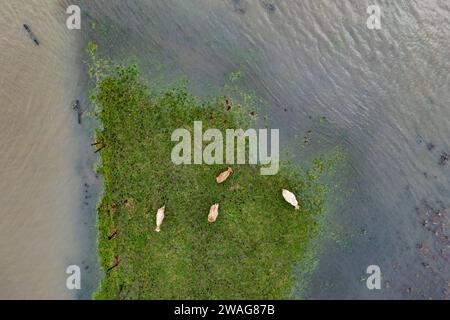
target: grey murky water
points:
(384, 95)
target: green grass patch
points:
(258, 238)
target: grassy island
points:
(250, 251)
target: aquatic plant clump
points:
(250, 250)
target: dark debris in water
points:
(31, 34)
(270, 7)
(437, 222)
(430, 146)
(444, 158)
(239, 6)
(435, 250)
(77, 107)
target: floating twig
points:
(31, 34)
(76, 106)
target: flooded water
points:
(43, 225)
(381, 95)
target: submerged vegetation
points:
(258, 238)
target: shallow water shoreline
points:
(43, 162)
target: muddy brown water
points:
(44, 226)
(380, 95)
